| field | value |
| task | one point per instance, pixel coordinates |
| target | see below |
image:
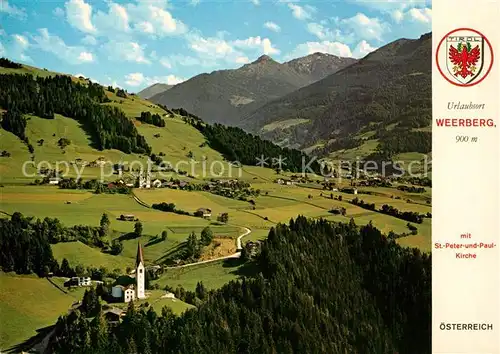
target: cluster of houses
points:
(293, 179)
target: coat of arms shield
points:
(465, 57)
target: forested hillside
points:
(323, 288)
(108, 127)
(236, 145)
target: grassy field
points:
(213, 275)
(78, 253)
(156, 300)
(26, 304)
(86, 209)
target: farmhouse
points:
(204, 212)
(113, 315)
(80, 281)
(128, 217)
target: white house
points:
(54, 180)
(129, 294)
(355, 191)
(169, 295)
(81, 281)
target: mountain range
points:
(226, 96)
(154, 89)
(319, 100)
(391, 85)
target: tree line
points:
(373, 297)
(25, 242)
(6, 63)
(390, 210)
(107, 126)
(237, 145)
(153, 119)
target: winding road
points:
(235, 255)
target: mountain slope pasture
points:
(28, 303)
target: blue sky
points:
(135, 43)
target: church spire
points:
(140, 258)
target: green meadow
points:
(26, 304)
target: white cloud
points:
(79, 15)
(21, 41)
(323, 33)
(397, 16)
(89, 40)
(186, 60)
(12, 10)
(86, 57)
(125, 51)
(210, 48)
(366, 27)
(194, 2)
(138, 79)
(242, 60)
(144, 16)
(272, 26)
(209, 51)
(262, 45)
(335, 48)
(301, 12)
(421, 15)
(134, 79)
(145, 27)
(58, 12)
(152, 18)
(391, 5)
(116, 19)
(53, 44)
(255, 2)
(362, 49)
(16, 48)
(165, 62)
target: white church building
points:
(137, 291)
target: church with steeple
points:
(140, 273)
(130, 291)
